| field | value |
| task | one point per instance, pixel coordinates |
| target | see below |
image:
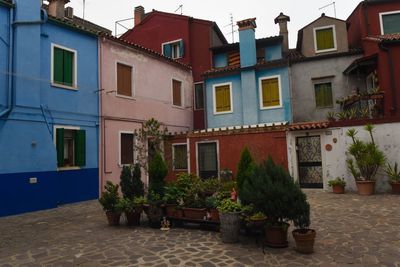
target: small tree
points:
(126, 182)
(157, 172)
(138, 186)
(245, 170)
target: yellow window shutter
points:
(223, 98)
(270, 92)
(325, 39)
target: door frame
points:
(197, 155)
(310, 185)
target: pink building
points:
(138, 84)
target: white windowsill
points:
(74, 88)
(126, 97)
(72, 168)
(269, 108)
(325, 50)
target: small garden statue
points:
(165, 224)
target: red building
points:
(375, 27)
(183, 38)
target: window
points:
(126, 141)
(179, 155)
(199, 96)
(390, 22)
(325, 39)
(173, 49)
(63, 66)
(323, 95)
(124, 80)
(270, 92)
(177, 93)
(71, 147)
(207, 160)
(223, 98)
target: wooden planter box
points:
(195, 214)
(172, 210)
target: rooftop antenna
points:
(84, 6)
(331, 4)
(118, 23)
(232, 25)
(181, 8)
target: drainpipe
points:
(10, 62)
(393, 108)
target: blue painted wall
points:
(220, 60)
(273, 52)
(27, 134)
(4, 51)
(248, 52)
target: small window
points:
(71, 147)
(64, 61)
(124, 80)
(325, 39)
(126, 148)
(180, 157)
(173, 49)
(177, 93)
(390, 22)
(207, 160)
(199, 96)
(223, 98)
(270, 92)
(323, 95)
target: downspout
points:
(100, 128)
(393, 108)
(10, 62)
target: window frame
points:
(215, 98)
(73, 128)
(322, 81)
(182, 93)
(260, 91)
(74, 72)
(119, 147)
(381, 14)
(218, 155)
(173, 156)
(334, 39)
(169, 43)
(195, 96)
(133, 91)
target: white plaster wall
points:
(334, 162)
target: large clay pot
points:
(194, 214)
(113, 218)
(366, 188)
(395, 188)
(305, 239)
(276, 235)
(154, 213)
(133, 218)
(230, 226)
(214, 215)
(338, 189)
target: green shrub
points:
(211, 202)
(126, 182)
(245, 170)
(138, 186)
(393, 172)
(228, 205)
(157, 173)
(337, 181)
(110, 199)
(173, 195)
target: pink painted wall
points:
(152, 85)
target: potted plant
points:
(172, 199)
(394, 175)
(257, 220)
(368, 158)
(229, 214)
(337, 185)
(211, 204)
(132, 209)
(111, 203)
(303, 235)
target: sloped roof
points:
(308, 126)
(6, 2)
(235, 46)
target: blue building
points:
(49, 109)
(249, 84)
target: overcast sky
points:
(106, 12)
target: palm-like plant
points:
(393, 172)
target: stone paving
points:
(351, 230)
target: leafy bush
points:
(393, 172)
(126, 182)
(110, 199)
(138, 186)
(211, 186)
(173, 195)
(211, 202)
(271, 190)
(228, 205)
(245, 170)
(367, 156)
(157, 173)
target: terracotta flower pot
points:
(395, 188)
(338, 189)
(195, 214)
(113, 218)
(276, 235)
(366, 188)
(133, 218)
(305, 239)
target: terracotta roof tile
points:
(308, 126)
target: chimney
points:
(247, 42)
(283, 30)
(57, 8)
(69, 12)
(139, 14)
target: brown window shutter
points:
(233, 59)
(177, 93)
(124, 80)
(126, 148)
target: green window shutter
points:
(181, 48)
(60, 146)
(323, 95)
(58, 65)
(167, 51)
(391, 23)
(68, 67)
(80, 148)
(325, 39)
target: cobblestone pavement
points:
(351, 230)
